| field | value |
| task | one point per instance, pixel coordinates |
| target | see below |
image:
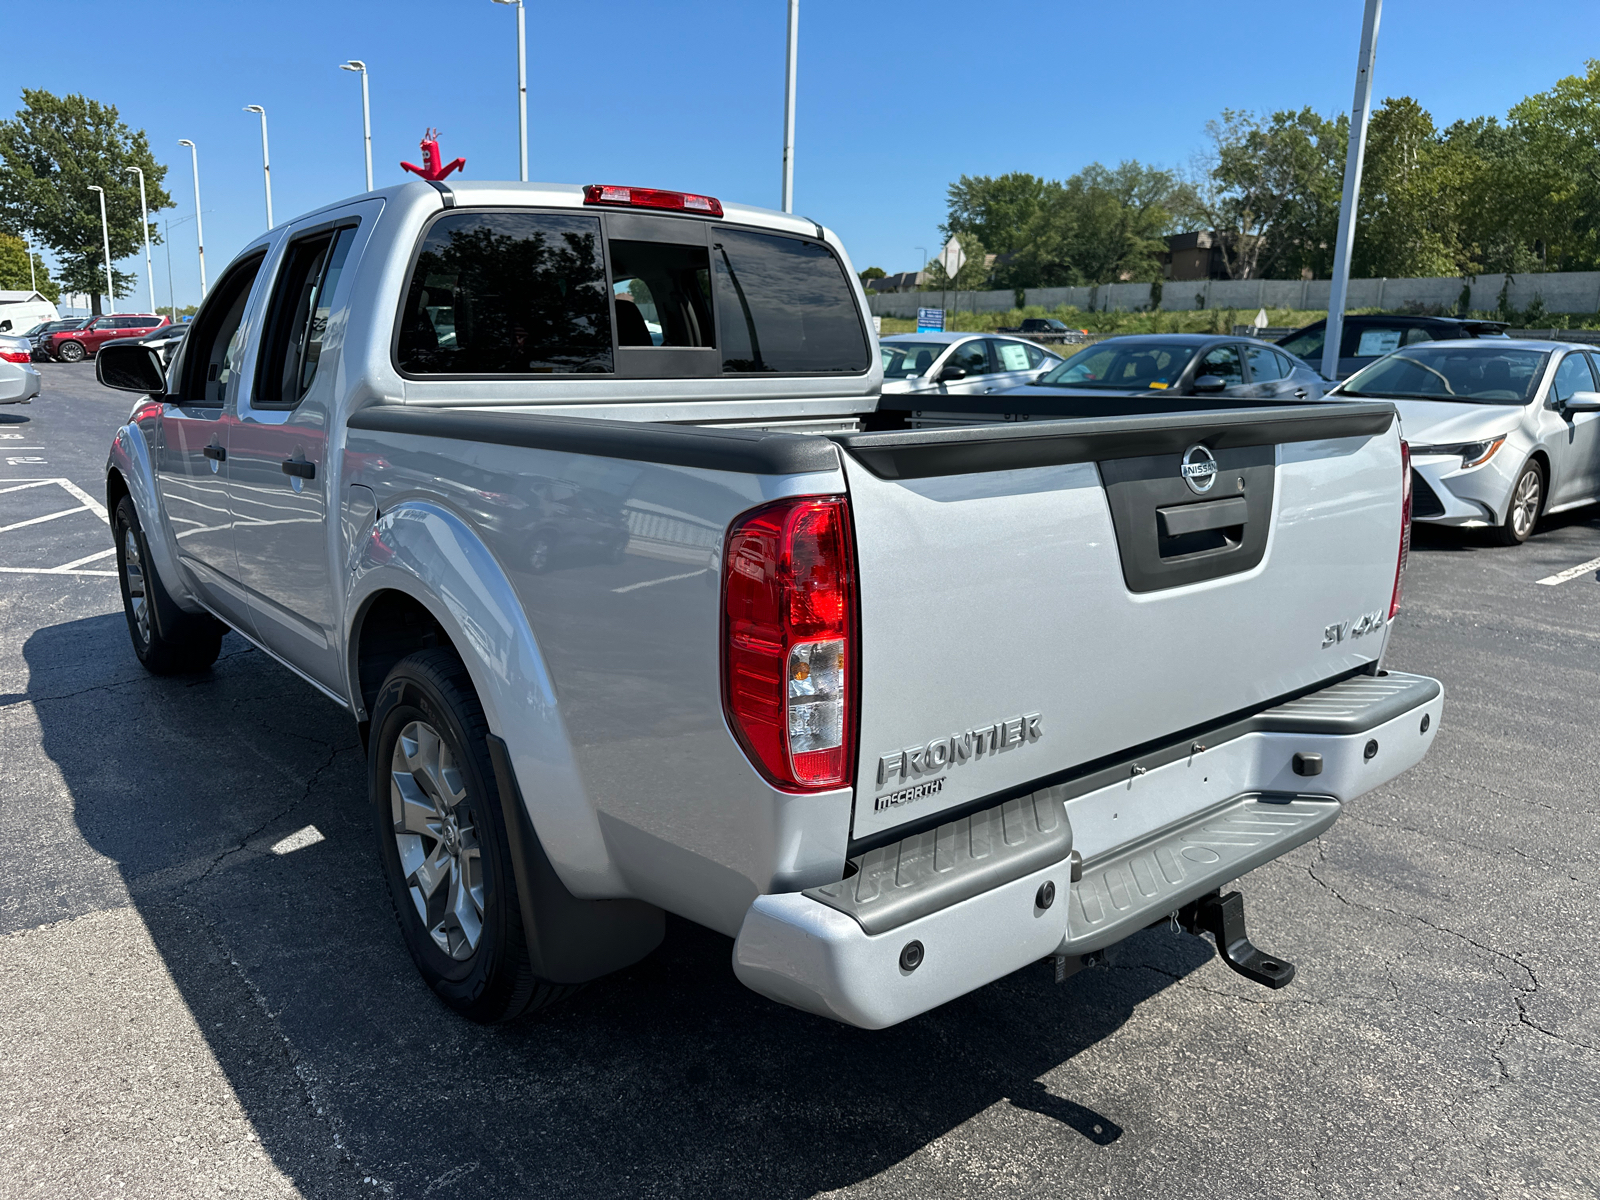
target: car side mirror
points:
(951, 374)
(132, 368)
(1582, 402)
(1210, 383)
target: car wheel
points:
(166, 640)
(442, 838)
(1522, 514)
(70, 352)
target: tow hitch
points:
(1223, 918)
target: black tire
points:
(70, 352)
(1523, 510)
(166, 640)
(491, 979)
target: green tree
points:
(54, 148)
(870, 274)
(974, 272)
(14, 273)
(1560, 130)
(997, 210)
(1408, 223)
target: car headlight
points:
(1473, 454)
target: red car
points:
(74, 345)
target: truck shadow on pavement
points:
(666, 1078)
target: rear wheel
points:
(70, 352)
(443, 842)
(167, 640)
(1527, 499)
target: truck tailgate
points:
(1035, 597)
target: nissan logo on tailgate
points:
(1199, 469)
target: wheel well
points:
(116, 489)
(1544, 465)
(393, 626)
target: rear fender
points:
(430, 554)
(131, 458)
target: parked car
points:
(1046, 326)
(825, 652)
(39, 332)
(75, 345)
(19, 382)
(1366, 338)
(959, 364)
(1501, 432)
(1185, 364)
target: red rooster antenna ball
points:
(431, 170)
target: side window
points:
(662, 294)
(1009, 356)
(1308, 345)
(785, 306)
(1417, 334)
(971, 357)
(1036, 357)
(1222, 362)
(1265, 366)
(1286, 365)
(298, 320)
(214, 346)
(1573, 375)
(507, 293)
(1370, 341)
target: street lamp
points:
(788, 106)
(144, 223)
(355, 64)
(105, 238)
(522, 84)
(266, 166)
(33, 279)
(199, 232)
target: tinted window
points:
(1124, 365)
(301, 306)
(662, 293)
(1265, 366)
(1286, 364)
(971, 357)
(784, 306)
(216, 342)
(901, 360)
(1036, 357)
(1572, 376)
(1435, 371)
(507, 294)
(1222, 362)
(1307, 345)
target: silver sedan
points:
(19, 382)
(960, 364)
(1501, 432)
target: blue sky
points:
(896, 101)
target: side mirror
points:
(1582, 402)
(951, 374)
(1210, 383)
(131, 368)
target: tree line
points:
(1484, 195)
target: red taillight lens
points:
(632, 197)
(16, 356)
(789, 641)
(1405, 528)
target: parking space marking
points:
(66, 485)
(86, 504)
(1571, 573)
(52, 571)
(65, 512)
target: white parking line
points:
(669, 579)
(72, 489)
(1571, 573)
(65, 512)
(52, 571)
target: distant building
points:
(905, 281)
(1196, 255)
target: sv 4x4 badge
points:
(1364, 624)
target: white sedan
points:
(960, 364)
(19, 382)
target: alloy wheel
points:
(438, 844)
(1525, 503)
(133, 569)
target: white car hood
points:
(1437, 423)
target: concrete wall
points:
(1565, 292)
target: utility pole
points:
(788, 106)
(266, 163)
(199, 233)
(105, 238)
(1360, 114)
(33, 279)
(144, 224)
(522, 83)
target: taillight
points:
(632, 197)
(789, 641)
(1405, 528)
(16, 356)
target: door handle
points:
(217, 453)
(299, 468)
(1299, 393)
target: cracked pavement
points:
(190, 1013)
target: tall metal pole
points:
(266, 162)
(33, 279)
(144, 223)
(172, 296)
(199, 233)
(788, 106)
(1360, 113)
(522, 83)
(105, 240)
(355, 64)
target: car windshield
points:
(1466, 374)
(1123, 365)
(901, 360)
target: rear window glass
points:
(662, 293)
(784, 306)
(508, 294)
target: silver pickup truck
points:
(586, 504)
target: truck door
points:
(278, 463)
(192, 444)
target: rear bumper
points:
(1148, 845)
(19, 383)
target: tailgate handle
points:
(1198, 518)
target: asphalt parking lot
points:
(203, 990)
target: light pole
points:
(266, 165)
(522, 84)
(199, 232)
(788, 106)
(355, 64)
(144, 223)
(1361, 110)
(105, 240)
(33, 279)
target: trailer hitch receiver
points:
(1223, 918)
